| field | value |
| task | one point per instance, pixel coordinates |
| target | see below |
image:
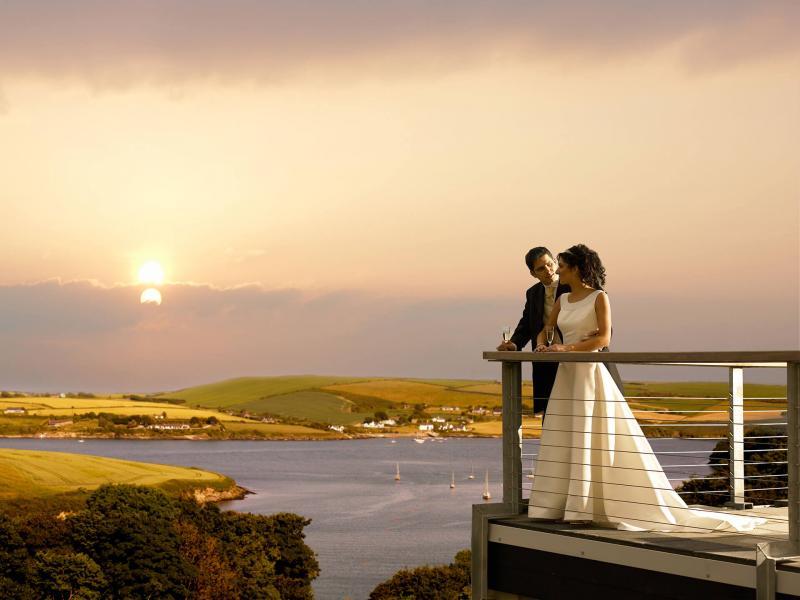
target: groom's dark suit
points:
(528, 328)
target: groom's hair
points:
(535, 254)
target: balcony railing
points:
(701, 421)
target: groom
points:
(539, 301)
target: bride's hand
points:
(556, 348)
(540, 348)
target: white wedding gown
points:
(594, 463)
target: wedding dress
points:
(594, 463)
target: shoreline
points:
(201, 438)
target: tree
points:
(13, 556)
(215, 577)
(137, 542)
(444, 582)
(767, 453)
(381, 415)
(127, 530)
(67, 576)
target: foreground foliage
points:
(443, 582)
(765, 452)
(137, 542)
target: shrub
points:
(444, 582)
(768, 453)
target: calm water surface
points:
(365, 526)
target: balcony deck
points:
(529, 559)
(514, 557)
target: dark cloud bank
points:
(128, 42)
(81, 336)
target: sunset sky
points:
(348, 187)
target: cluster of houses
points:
(169, 426)
(440, 424)
(435, 424)
(379, 424)
(482, 411)
(15, 410)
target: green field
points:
(31, 474)
(235, 393)
(348, 400)
(311, 405)
(64, 407)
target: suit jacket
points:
(532, 322)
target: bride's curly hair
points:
(592, 271)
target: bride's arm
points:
(539, 346)
(603, 337)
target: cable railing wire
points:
(672, 525)
(646, 411)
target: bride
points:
(595, 464)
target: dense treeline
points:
(160, 400)
(765, 467)
(137, 542)
(441, 582)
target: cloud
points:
(83, 336)
(131, 42)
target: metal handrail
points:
(734, 361)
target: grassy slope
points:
(236, 393)
(65, 407)
(29, 473)
(344, 400)
(348, 399)
(311, 404)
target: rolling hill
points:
(343, 400)
(35, 474)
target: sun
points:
(150, 296)
(151, 273)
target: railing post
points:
(736, 439)
(512, 424)
(793, 452)
(765, 573)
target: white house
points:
(15, 410)
(170, 426)
(372, 425)
(339, 428)
(426, 427)
(389, 422)
(439, 420)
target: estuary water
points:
(365, 526)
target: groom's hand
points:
(507, 347)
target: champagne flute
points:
(506, 334)
(549, 332)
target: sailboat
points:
(472, 473)
(487, 495)
(397, 474)
(452, 480)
